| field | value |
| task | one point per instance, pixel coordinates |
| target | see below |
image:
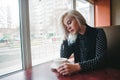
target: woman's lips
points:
(72, 30)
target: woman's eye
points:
(69, 22)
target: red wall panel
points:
(102, 13)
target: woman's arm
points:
(101, 46)
(66, 50)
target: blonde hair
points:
(72, 13)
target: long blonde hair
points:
(72, 13)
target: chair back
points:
(113, 45)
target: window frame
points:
(25, 34)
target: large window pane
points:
(45, 37)
(10, 48)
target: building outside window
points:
(44, 29)
(10, 45)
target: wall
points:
(115, 12)
(102, 13)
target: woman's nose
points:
(69, 28)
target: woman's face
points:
(71, 25)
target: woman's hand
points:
(68, 68)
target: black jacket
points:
(88, 49)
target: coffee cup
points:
(59, 61)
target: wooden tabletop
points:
(44, 72)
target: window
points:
(87, 10)
(44, 41)
(10, 47)
(45, 37)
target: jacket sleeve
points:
(66, 50)
(97, 61)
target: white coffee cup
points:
(59, 61)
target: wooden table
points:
(44, 72)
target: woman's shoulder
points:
(94, 30)
(97, 30)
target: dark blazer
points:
(88, 49)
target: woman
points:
(86, 43)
